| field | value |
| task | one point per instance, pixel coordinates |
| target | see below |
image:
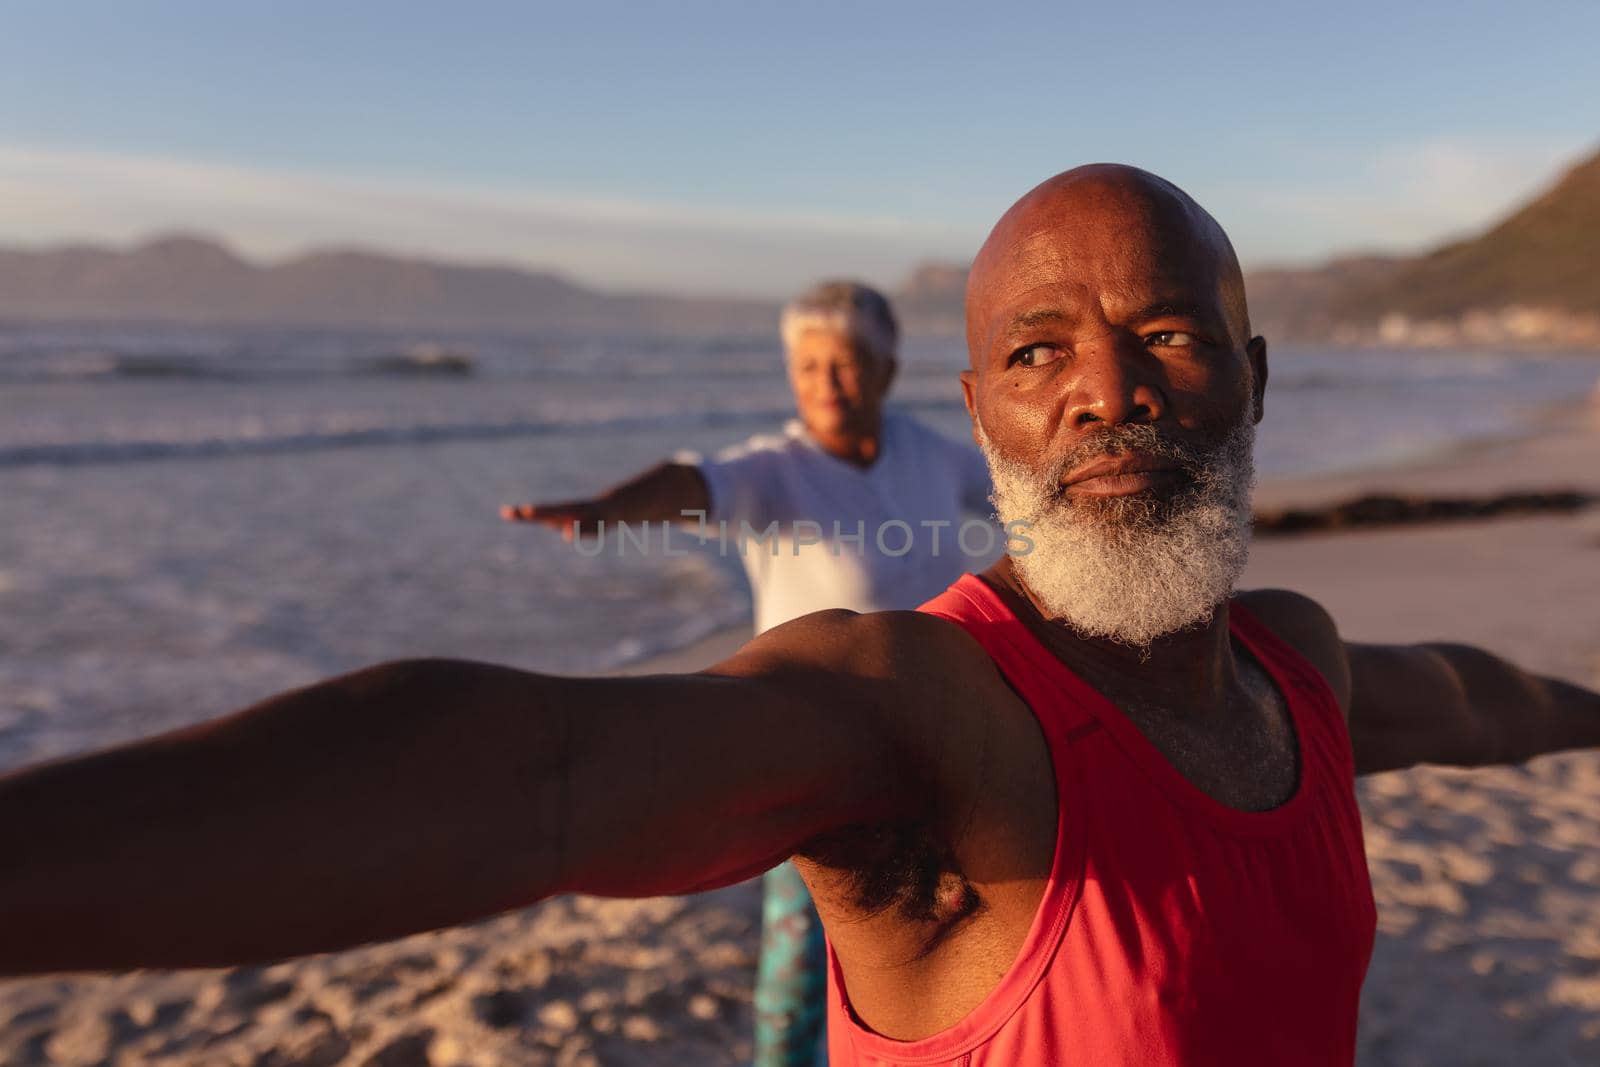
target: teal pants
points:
(791, 985)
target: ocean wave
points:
(89, 366)
(249, 436)
(1357, 375)
(109, 368)
(99, 368)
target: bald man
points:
(1091, 806)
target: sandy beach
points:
(1488, 882)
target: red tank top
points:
(1173, 929)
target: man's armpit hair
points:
(896, 865)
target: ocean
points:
(196, 518)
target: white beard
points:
(1131, 569)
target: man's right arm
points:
(426, 793)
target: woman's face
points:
(838, 386)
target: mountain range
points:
(1532, 278)
(194, 279)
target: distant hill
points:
(195, 279)
(1537, 272)
(931, 300)
(1298, 302)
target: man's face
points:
(1116, 407)
(838, 386)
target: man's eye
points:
(1036, 355)
(1172, 339)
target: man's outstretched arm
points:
(425, 793)
(1456, 704)
(1433, 703)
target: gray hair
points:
(856, 310)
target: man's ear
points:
(1256, 352)
(969, 385)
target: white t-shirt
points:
(921, 510)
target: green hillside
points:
(1545, 255)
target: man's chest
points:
(1246, 758)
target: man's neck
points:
(1192, 672)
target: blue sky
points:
(747, 147)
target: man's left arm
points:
(1435, 702)
(1456, 704)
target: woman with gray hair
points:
(859, 496)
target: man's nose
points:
(1117, 381)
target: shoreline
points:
(1547, 452)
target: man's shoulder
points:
(1304, 625)
(908, 647)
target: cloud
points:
(1461, 179)
(47, 196)
(1398, 197)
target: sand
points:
(1488, 882)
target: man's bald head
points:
(1103, 223)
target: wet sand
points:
(1488, 882)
